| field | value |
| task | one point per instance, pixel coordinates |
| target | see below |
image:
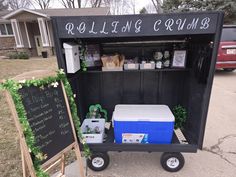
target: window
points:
(228, 34)
(5, 29)
(9, 29)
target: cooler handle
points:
(95, 121)
(144, 120)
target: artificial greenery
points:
(95, 111)
(13, 87)
(82, 53)
(180, 114)
(76, 120)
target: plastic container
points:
(131, 66)
(144, 66)
(92, 124)
(143, 124)
(112, 68)
(45, 54)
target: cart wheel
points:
(98, 161)
(172, 161)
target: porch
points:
(32, 32)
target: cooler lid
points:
(151, 113)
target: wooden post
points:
(76, 144)
(52, 165)
(27, 163)
(24, 165)
(27, 159)
(63, 164)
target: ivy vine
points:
(82, 54)
(13, 88)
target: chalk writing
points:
(134, 25)
(127, 27)
(205, 23)
(169, 23)
(180, 22)
(157, 23)
(138, 25)
(47, 115)
(69, 27)
(82, 27)
(103, 29)
(193, 24)
(92, 29)
(114, 25)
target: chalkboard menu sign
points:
(48, 118)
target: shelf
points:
(142, 43)
(147, 70)
(175, 146)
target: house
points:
(31, 30)
(7, 41)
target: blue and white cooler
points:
(143, 124)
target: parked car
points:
(227, 50)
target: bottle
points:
(158, 57)
(166, 59)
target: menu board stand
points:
(27, 162)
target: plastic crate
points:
(92, 124)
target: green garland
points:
(76, 120)
(82, 53)
(13, 87)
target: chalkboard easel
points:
(49, 116)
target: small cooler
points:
(143, 124)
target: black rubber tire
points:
(167, 155)
(228, 69)
(103, 156)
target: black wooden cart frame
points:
(198, 33)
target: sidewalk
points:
(72, 170)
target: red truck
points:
(226, 59)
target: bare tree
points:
(3, 5)
(95, 3)
(71, 3)
(118, 7)
(157, 4)
(17, 4)
(43, 4)
(133, 6)
(150, 8)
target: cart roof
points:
(138, 25)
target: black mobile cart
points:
(140, 35)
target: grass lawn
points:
(10, 159)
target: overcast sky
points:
(139, 4)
